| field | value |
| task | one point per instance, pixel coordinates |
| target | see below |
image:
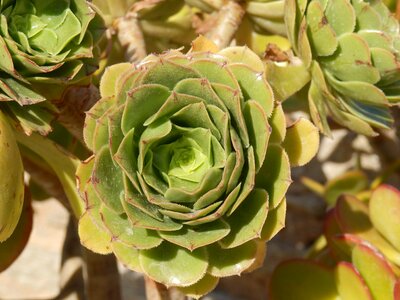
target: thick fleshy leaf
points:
(107, 180)
(343, 22)
(298, 279)
(275, 221)
(122, 230)
(274, 175)
(229, 262)
(288, 79)
(352, 216)
(258, 129)
(375, 270)
(12, 180)
(350, 183)
(94, 236)
(175, 266)
(254, 86)
(197, 236)
(350, 284)
(200, 288)
(278, 125)
(248, 220)
(384, 211)
(243, 55)
(15, 244)
(138, 107)
(109, 78)
(352, 61)
(322, 35)
(128, 255)
(301, 142)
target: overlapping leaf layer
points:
(189, 170)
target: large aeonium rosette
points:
(352, 49)
(173, 187)
(45, 42)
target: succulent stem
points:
(229, 18)
(155, 290)
(102, 276)
(131, 37)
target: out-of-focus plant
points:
(191, 165)
(358, 255)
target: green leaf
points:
(124, 231)
(243, 55)
(128, 255)
(258, 130)
(375, 270)
(352, 216)
(15, 244)
(302, 280)
(229, 262)
(12, 180)
(341, 16)
(322, 36)
(384, 210)
(275, 221)
(107, 180)
(352, 60)
(248, 220)
(174, 266)
(195, 237)
(254, 86)
(108, 80)
(301, 142)
(142, 102)
(350, 284)
(202, 287)
(168, 74)
(351, 183)
(93, 236)
(274, 175)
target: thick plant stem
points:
(155, 291)
(102, 280)
(229, 18)
(71, 283)
(131, 37)
(101, 276)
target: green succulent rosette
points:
(45, 42)
(352, 51)
(190, 168)
(44, 46)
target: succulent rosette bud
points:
(352, 50)
(45, 42)
(190, 168)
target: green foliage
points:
(184, 177)
(351, 48)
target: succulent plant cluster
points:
(361, 256)
(185, 156)
(45, 46)
(190, 170)
(352, 50)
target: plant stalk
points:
(229, 19)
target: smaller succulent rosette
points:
(351, 48)
(45, 42)
(190, 168)
(362, 241)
